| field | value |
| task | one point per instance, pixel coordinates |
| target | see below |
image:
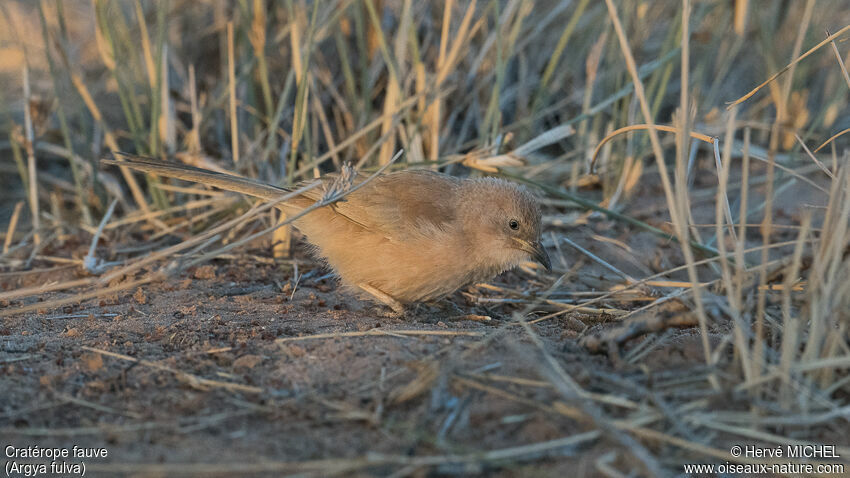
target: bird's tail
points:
(204, 176)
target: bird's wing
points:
(401, 204)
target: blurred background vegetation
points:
(295, 88)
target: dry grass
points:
(744, 234)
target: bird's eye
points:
(513, 224)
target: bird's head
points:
(503, 221)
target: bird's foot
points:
(450, 310)
(395, 306)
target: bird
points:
(405, 237)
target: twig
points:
(840, 62)
(635, 328)
(13, 224)
(382, 333)
(636, 127)
(90, 262)
(599, 260)
(28, 144)
(191, 379)
(231, 89)
(49, 304)
(776, 75)
(97, 406)
(831, 139)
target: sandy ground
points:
(219, 366)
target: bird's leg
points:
(449, 310)
(383, 298)
(447, 305)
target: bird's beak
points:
(536, 250)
